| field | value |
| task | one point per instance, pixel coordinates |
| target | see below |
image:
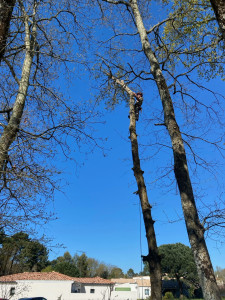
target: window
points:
(92, 291)
(123, 289)
(147, 292)
(12, 291)
(75, 288)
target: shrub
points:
(168, 296)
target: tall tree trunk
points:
(219, 9)
(153, 257)
(11, 129)
(194, 228)
(6, 9)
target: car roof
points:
(33, 298)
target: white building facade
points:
(54, 286)
(131, 288)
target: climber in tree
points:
(138, 104)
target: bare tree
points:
(37, 120)
(195, 229)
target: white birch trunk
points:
(10, 130)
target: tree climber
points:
(138, 104)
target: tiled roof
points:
(143, 282)
(123, 280)
(51, 276)
(93, 280)
(36, 276)
(139, 282)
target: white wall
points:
(53, 290)
(101, 292)
(50, 289)
(122, 295)
(141, 292)
(136, 292)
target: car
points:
(33, 298)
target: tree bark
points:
(6, 9)
(194, 228)
(153, 257)
(10, 130)
(219, 9)
(180, 285)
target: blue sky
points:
(98, 212)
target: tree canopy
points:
(19, 253)
(178, 262)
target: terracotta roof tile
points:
(36, 276)
(93, 280)
(52, 276)
(123, 280)
(139, 282)
(143, 282)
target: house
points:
(95, 288)
(131, 288)
(54, 286)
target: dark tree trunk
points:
(6, 9)
(180, 285)
(194, 228)
(153, 257)
(219, 9)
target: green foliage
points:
(116, 273)
(103, 271)
(168, 296)
(67, 269)
(93, 265)
(82, 265)
(192, 39)
(182, 297)
(47, 269)
(18, 253)
(66, 265)
(178, 261)
(130, 273)
(96, 268)
(145, 271)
